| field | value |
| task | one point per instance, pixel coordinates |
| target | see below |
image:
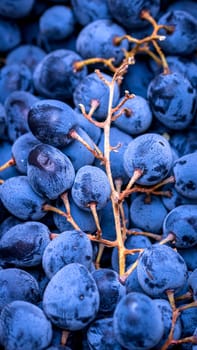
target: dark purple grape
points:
(137, 322)
(152, 154)
(68, 247)
(156, 272)
(50, 121)
(71, 298)
(49, 171)
(24, 326)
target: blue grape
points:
(24, 326)
(128, 11)
(151, 153)
(182, 40)
(100, 335)
(89, 11)
(20, 200)
(137, 78)
(93, 88)
(110, 290)
(182, 223)
(132, 283)
(14, 77)
(8, 222)
(20, 150)
(10, 35)
(147, 216)
(156, 271)
(71, 298)
(91, 185)
(56, 23)
(69, 247)
(186, 176)
(166, 311)
(23, 244)
(16, 10)
(184, 5)
(75, 149)
(192, 282)
(50, 121)
(83, 218)
(131, 242)
(96, 39)
(17, 106)
(188, 321)
(92, 130)
(137, 322)
(184, 142)
(30, 55)
(54, 76)
(49, 171)
(172, 99)
(119, 139)
(17, 284)
(5, 155)
(138, 120)
(190, 256)
(3, 121)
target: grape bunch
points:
(98, 180)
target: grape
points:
(49, 171)
(147, 216)
(17, 106)
(23, 245)
(110, 290)
(30, 55)
(185, 175)
(137, 322)
(190, 256)
(17, 284)
(83, 218)
(89, 11)
(69, 247)
(71, 298)
(50, 121)
(91, 185)
(128, 11)
(182, 223)
(10, 35)
(152, 154)
(16, 10)
(166, 311)
(96, 40)
(17, 333)
(54, 76)
(56, 23)
(192, 281)
(14, 77)
(92, 88)
(172, 99)
(138, 120)
(100, 335)
(156, 271)
(20, 200)
(182, 40)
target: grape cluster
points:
(98, 180)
